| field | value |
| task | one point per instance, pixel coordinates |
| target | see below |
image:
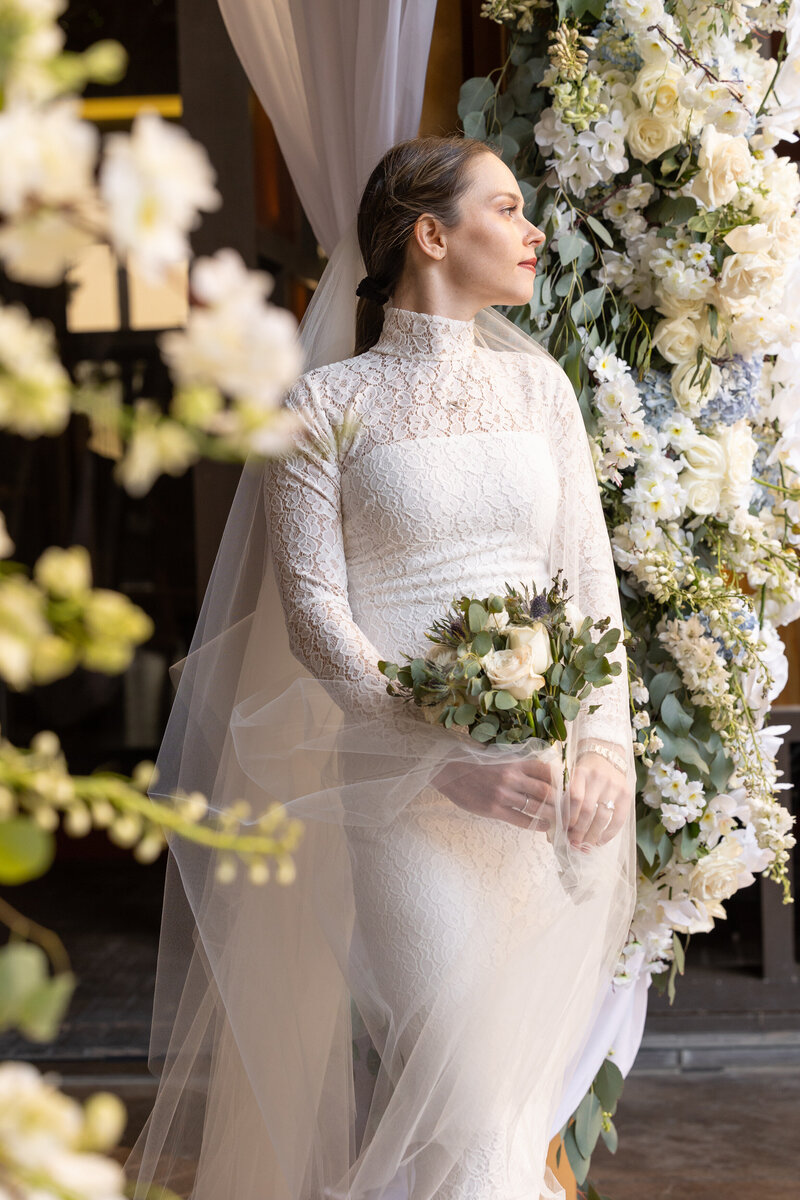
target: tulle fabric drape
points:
(258, 987)
(253, 1030)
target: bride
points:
(460, 903)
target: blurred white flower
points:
(234, 340)
(34, 387)
(155, 181)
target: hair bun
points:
(371, 290)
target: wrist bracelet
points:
(615, 759)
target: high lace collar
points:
(411, 334)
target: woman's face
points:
(482, 257)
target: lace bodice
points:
(430, 473)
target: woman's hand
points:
(497, 791)
(595, 783)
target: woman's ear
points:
(429, 236)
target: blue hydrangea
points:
(726, 652)
(615, 47)
(738, 393)
(656, 396)
(764, 497)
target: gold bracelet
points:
(615, 759)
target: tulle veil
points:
(262, 990)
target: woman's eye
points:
(512, 208)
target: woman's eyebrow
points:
(508, 196)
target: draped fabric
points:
(341, 82)
(485, 1051)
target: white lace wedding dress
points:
(446, 487)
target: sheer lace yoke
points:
(408, 333)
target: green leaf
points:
(481, 644)
(45, 1007)
(579, 1164)
(465, 714)
(483, 732)
(476, 617)
(504, 700)
(588, 1121)
(677, 949)
(26, 850)
(23, 967)
(475, 125)
(659, 685)
(474, 95)
(588, 306)
(570, 246)
(676, 717)
(569, 705)
(600, 229)
(610, 1137)
(608, 1084)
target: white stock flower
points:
(155, 181)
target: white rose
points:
(724, 163)
(718, 875)
(535, 636)
(702, 495)
(513, 671)
(704, 475)
(750, 239)
(656, 88)
(677, 339)
(648, 136)
(745, 277)
(688, 388)
(739, 447)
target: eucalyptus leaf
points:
(475, 125)
(476, 617)
(504, 700)
(474, 95)
(464, 714)
(570, 246)
(678, 719)
(660, 684)
(481, 644)
(599, 228)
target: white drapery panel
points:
(341, 81)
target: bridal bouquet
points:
(507, 668)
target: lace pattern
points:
(431, 472)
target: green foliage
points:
(26, 850)
(31, 1000)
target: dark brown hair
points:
(421, 175)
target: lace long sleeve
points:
(580, 516)
(302, 504)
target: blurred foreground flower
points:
(51, 1146)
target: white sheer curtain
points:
(342, 81)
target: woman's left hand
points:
(594, 784)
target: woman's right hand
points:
(498, 791)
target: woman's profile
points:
(458, 901)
